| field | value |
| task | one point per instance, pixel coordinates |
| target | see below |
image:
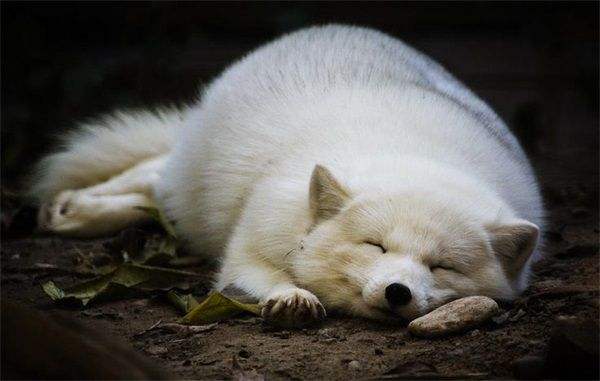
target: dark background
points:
(535, 63)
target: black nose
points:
(397, 294)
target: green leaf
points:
(159, 216)
(54, 292)
(217, 307)
(185, 303)
(126, 281)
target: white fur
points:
(383, 118)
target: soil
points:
(565, 285)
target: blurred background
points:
(536, 64)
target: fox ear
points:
(513, 244)
(327, 196)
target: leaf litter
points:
(142, 265)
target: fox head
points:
(398, 256)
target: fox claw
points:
(293, 308)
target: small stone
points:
(475, 333)
(282, 334)
(326, 334)
(456, 316)
(140, 303)
(354, 365)
(517, 316)
(157, 350)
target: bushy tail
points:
(103, 148)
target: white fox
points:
(333, 168)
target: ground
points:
(565, 285)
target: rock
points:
(456, 316)
(354, 365)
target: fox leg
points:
(282, 302)
(139, 179)
(106, 207)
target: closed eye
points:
(383, 250)
(442, 267)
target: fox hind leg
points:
(106, 207)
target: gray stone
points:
(456, 316)
(354, 365)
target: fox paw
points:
(68, 213)
(293, 308)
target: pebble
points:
(520, 313)
(456, 316)
(157, 350)
(327, 334)
(282, 334)
(354, 365)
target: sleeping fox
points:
(335, 168)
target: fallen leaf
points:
(137, 246)
(185, 303)
(126, 281)
(217, 307)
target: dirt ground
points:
(565, 285)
